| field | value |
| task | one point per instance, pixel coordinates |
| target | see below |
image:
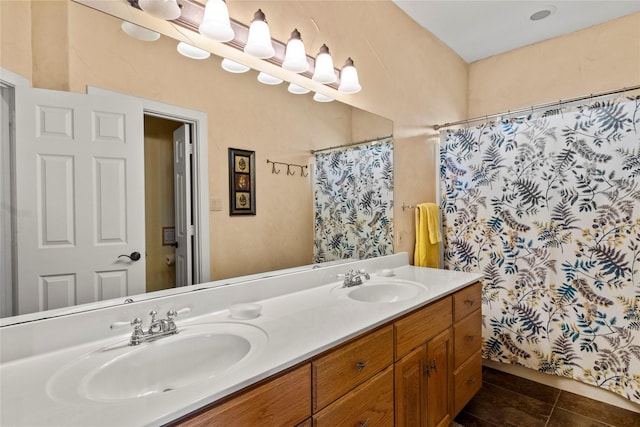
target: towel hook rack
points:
(406, 206)
(289, 166)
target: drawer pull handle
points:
(471, 380)
(469, 337)
(361, 365)
(433, 365)
(364, 423)
(470, 301)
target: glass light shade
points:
(297, 90)
(233, 66)
(192, 52)
(295, 57)
(138, 32)
(321, 98)
(215, 24)
(324, 72)
(268, 79)
(259, 39)
(163, 9)
(349, 78)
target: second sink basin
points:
(382, 291)
(197, 353)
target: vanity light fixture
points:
(255, 40)
(192, 52)
(259, 39)
(233, 66)
(324, 72)
(268, 79)
(349, 78)
(321, 98)
(295, 58)
(216, 24)
(138, 32)
(297, 90)
(163, 9)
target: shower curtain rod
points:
(365, 141)
(537, 107)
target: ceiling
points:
(477, 29)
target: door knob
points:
(134, 256)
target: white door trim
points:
(8, 81)
(198, 120)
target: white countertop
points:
(298, 324)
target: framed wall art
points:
(242, 182)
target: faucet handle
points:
(153, 314)
(136, 323)
(171, 314)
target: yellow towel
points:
(428, 237)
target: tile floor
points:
(507, 400)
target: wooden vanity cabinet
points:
(416, 371)
(423, 377)
(467, 328)
(283, 401)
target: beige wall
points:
(600, 58)
(407, 75)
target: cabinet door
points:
(411, 388)
(440, 379)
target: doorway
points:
(160, 194)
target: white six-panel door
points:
(183, 150)
(79, 198)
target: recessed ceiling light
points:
(543, 13)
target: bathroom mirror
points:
(241, 113)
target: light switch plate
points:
(215, 205)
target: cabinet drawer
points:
(466, 300)
(420, 327)
(282, 401)
(467, 336)
(369, 404)
(342, 369)
(467, 381)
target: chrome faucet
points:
(354, 278)
(157, 328)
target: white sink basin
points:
(119, 372)
(382, 291)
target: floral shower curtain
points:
(353, 192)
(547, 207)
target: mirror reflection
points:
(198, 100)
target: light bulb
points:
(295, 58)
(192, 52)
(163, 9)
(349, 78)
(233, 66)
(259, 39)
(216, 24)
(324, 72)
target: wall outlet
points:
(215, 205)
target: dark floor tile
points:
(564, 418)
(520, 385)
(506, 408)
(599, 411)
(468, 420)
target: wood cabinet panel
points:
(419, 327)
(410, 388)
(283, 401)
(468, 336)
(350, 365)
(467, 380)
(440, 380)
(467, 300)
(369, 404)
